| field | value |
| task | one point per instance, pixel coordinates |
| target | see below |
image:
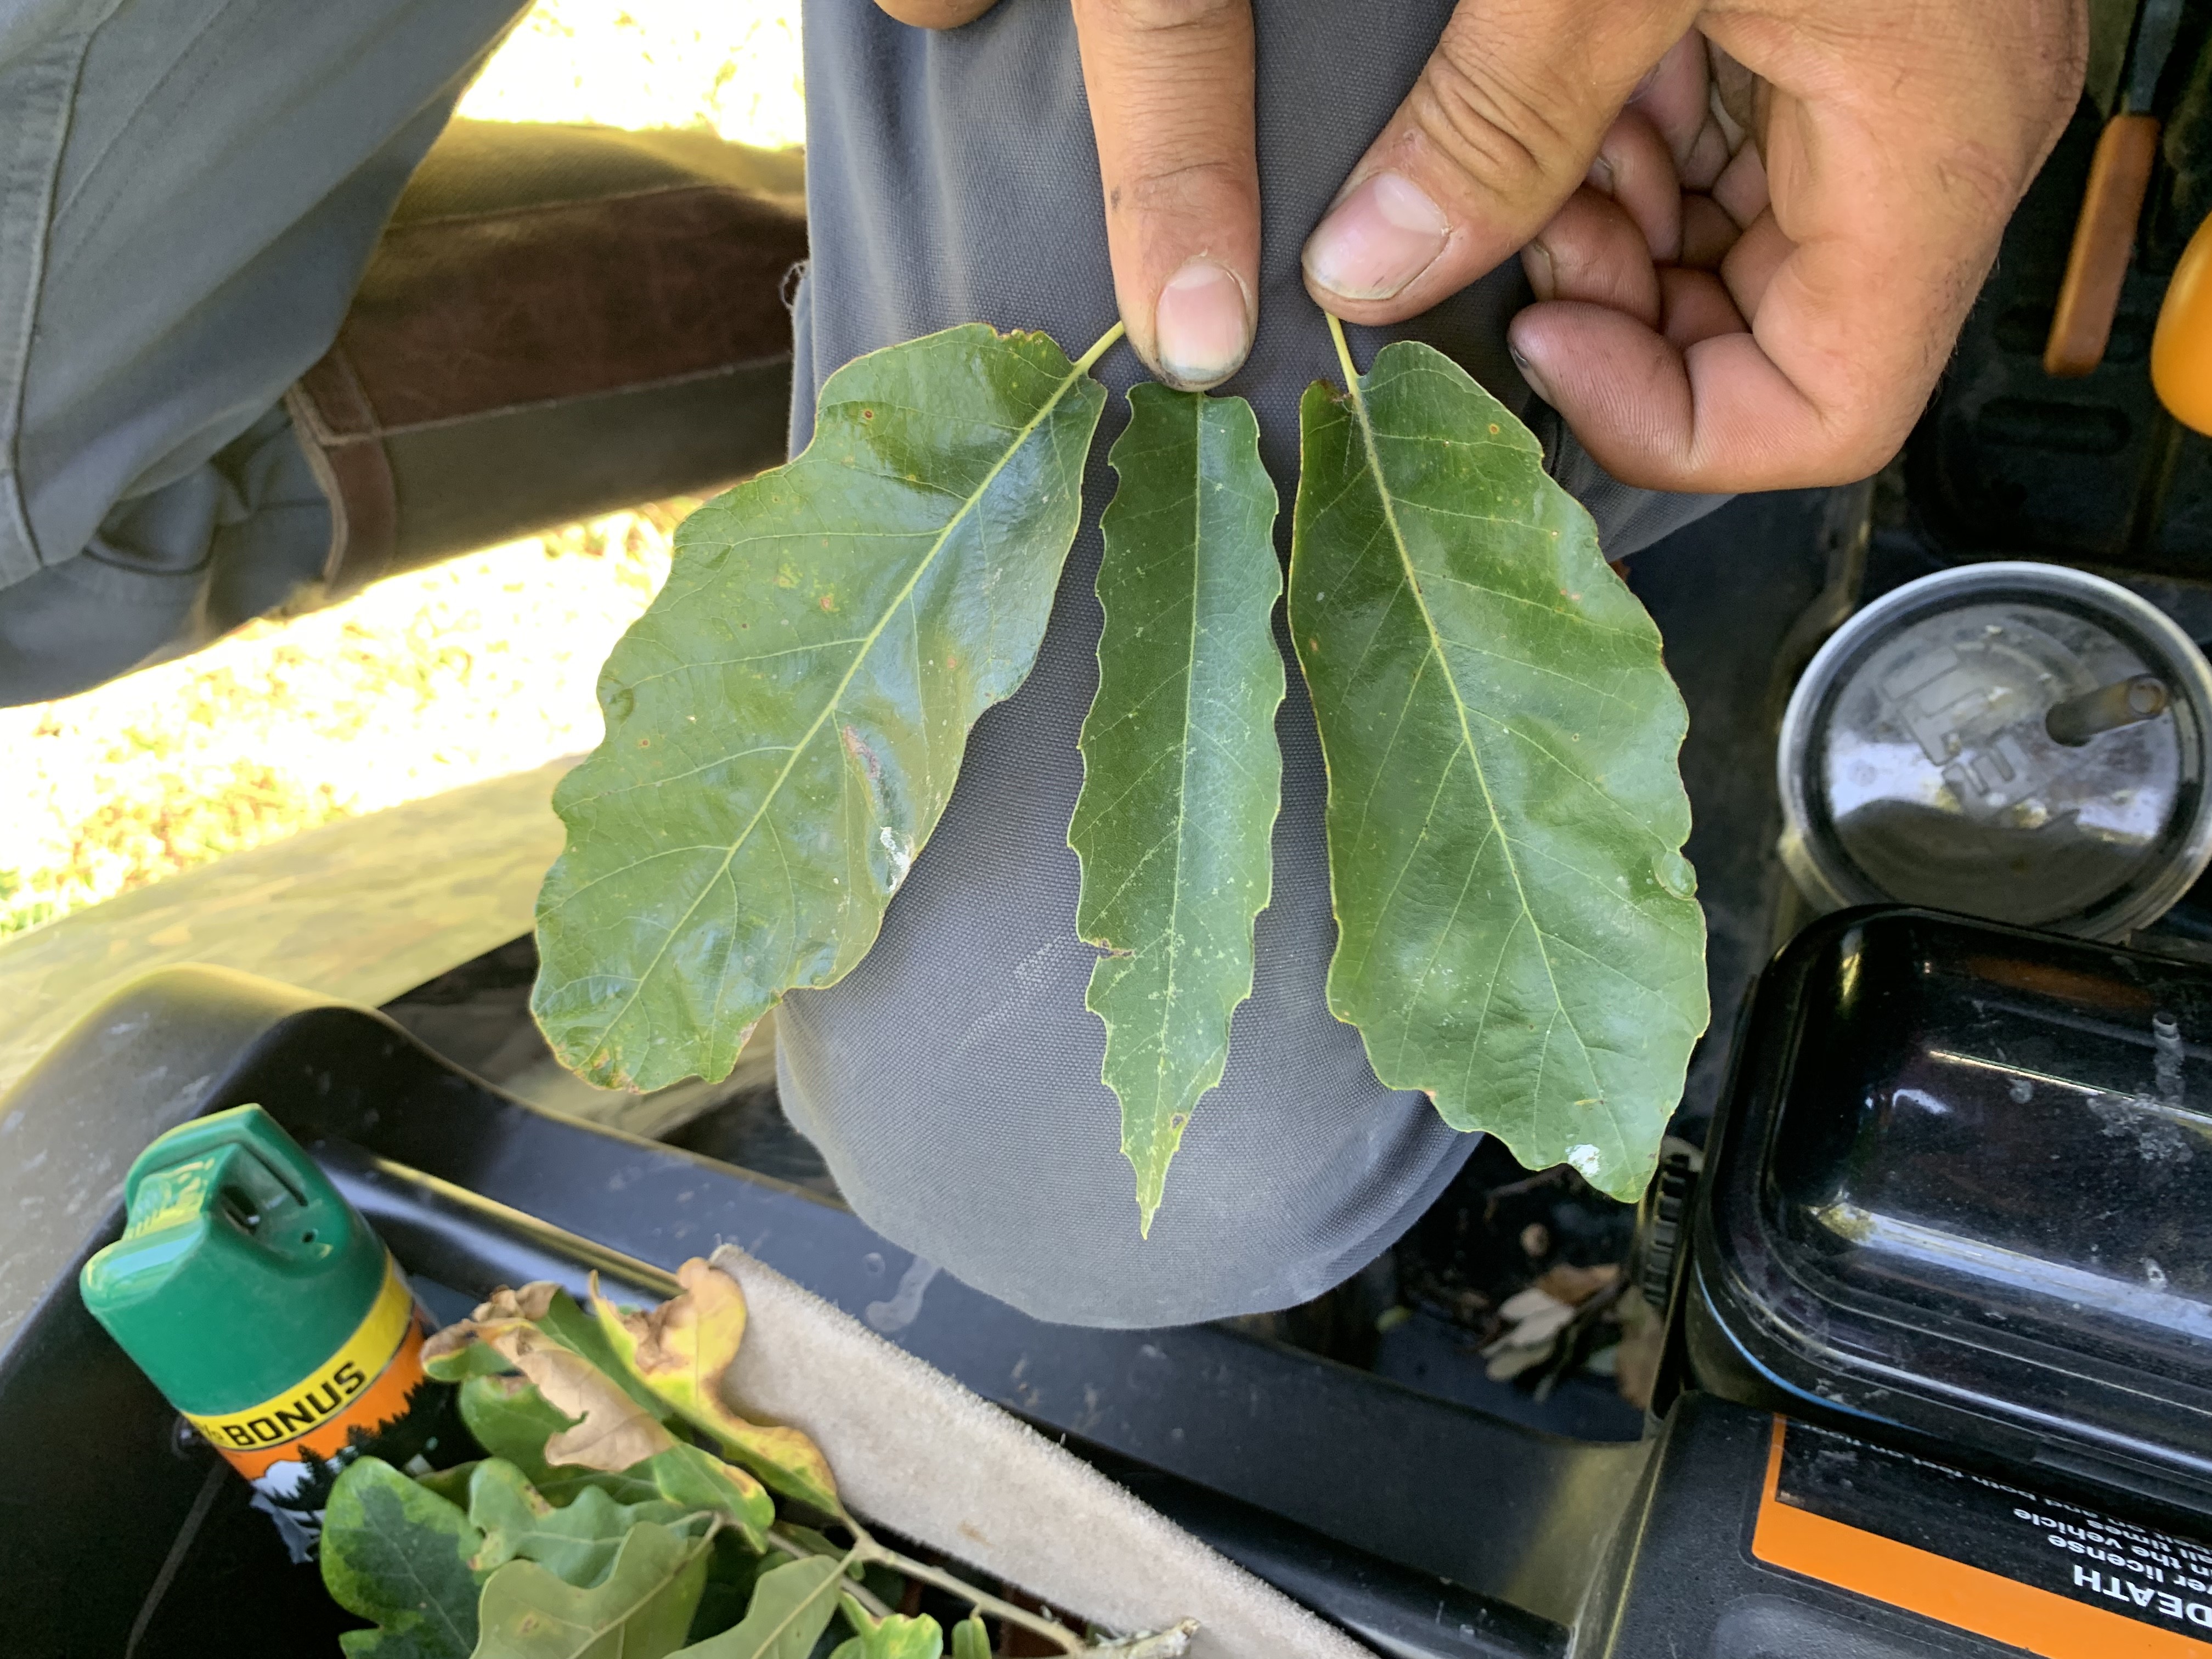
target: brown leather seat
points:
(558, 322)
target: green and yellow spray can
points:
(262, 1306)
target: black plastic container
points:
(1961, 1191)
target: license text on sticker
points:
(2046, 1576)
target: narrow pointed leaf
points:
(1182, 777)
(1516, 930)
(784, 723)
(398, 1553)
(641, 1610)
(791, 1607)
(681, 1350)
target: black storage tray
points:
(1349, 1492)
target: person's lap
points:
(953, 1080)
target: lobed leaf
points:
(451, 1484)
(611, 1432)
(1182, 777)
(510, 1420)
(575, 1543)
(784, 724)
(469, 1347)
(1517, 934)
(681, 1352)
(698, 1479)
(396, 1554)
(791, 1607)
(641, 1610)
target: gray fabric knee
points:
(952, 1081)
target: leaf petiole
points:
(1105, 344)
(867, 1549)
(1343, 354)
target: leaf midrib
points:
(1356, 392)
(1182, 779)
(1077, 372)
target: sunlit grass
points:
(481, 666)
(477, 667)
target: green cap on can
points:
(240, 1269)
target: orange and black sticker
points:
(362, 1388)
(2050, 1578)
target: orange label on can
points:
(362, 1388)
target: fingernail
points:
(1376, 239)
(1202, 325)
(1529, 373)
(1536, 261)
(1601, 174)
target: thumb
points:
(1498, 131)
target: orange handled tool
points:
(2119, 177)
(2103, 240)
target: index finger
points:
(1169, 83)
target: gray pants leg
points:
(189, 192)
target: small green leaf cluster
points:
(1518, 937)
(559, 1544)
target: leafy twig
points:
(1005, 1612)
(859, 1592)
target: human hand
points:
(1754, 230)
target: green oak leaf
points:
(642, 1609)
(1181, 777)
(791, 1607)
(576, 1543)
(511, 1420)
(971, 1639)
(784, 724)
(895, 1635)
(1518, 935)
(697, 1479)
(733, 1569)
(396, 1554)
(475, 1359)
(452, 1484)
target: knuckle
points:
(1174, 187)
(1504, 132)
(1162, 16)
